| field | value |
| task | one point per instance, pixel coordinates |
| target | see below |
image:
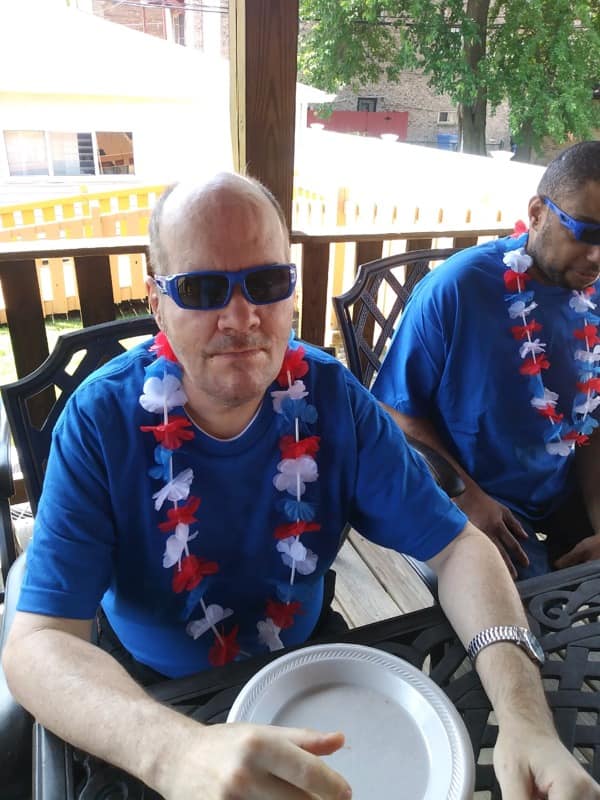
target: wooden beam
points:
(94, 287)
(24, 314)
(263, 47)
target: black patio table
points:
(563, 610)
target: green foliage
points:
(541, 56)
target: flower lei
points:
(561, 437)
(162, 394)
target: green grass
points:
(54, 327)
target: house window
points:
(62, 153)
(178, 20)
(366, 104)
(115, 152)
(446, 118)
(26, 152)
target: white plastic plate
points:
(404, 738)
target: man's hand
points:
(585, 550)
(531, 765)
(498, 522)
(249, 762)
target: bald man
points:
(193, 503)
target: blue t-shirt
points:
(97, 535)
(454, 360)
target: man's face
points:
(559, 258)
(230, 355)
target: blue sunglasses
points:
(586, 232)
(208, 291)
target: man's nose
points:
(593, 254)
(239, 314)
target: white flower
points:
(533, 348)
(588, 406)
(176, 545)
(290, 470)
(519, 309)
(295, 392)
(175, 490)
(268, 634)
(161, 393)
(518, 260)
(560, 448)
(293, 553)
(580, 302)
(214, 615)
(588, 356)
(549, 399)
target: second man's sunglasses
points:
(207, 291)
(586, 232)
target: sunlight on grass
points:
(54, 328)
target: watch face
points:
(536, 647)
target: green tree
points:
(541, 56)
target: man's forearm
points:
(422, 429)
(488, 597)
(84, 696)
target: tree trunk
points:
(471, 118)
(524, 144)
(471, 121)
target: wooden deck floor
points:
(374, 583)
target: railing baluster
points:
(315, 272)
(94, 286)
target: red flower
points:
(193, 569)
(295, 529)
(225, 649)
(550, 412)
(521, 331)
(282, 614)
(593, 385)
(293, 367)
(172, 435)
(589, 334)
(184, 514)
(519, 229)
(162, 347)
(515, 281)
(578, 438)
(534, 367)
(290, 448)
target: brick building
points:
(205, 27)
(432, 118)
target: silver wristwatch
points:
(522, 637)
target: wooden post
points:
(263, 37)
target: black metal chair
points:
(367, 315)
(31, 407)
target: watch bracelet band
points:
(494, 635)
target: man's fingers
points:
(574, 556)
(297, 763)
(514, 548)
(513, 525)
(324, 744)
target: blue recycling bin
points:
(447, 141)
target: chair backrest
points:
(369, 312)
(34, 403)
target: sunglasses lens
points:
(269, 285)
(590, 236)
(203, 291)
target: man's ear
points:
(536, 211)
(154, 300)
